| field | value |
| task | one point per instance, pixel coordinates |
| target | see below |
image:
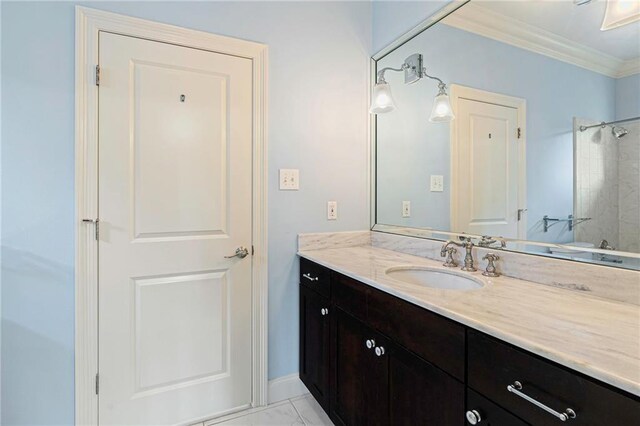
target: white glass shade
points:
(442, 110)
(619, 13)
(381, 99)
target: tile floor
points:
(300, 411)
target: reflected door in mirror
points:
(488, 167)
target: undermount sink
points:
(434, 278)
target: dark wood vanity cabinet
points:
(374, 376)
(315, 332)
(370, 358)
(554, 386)
(420, 393)
(359, 377)
(377, 382)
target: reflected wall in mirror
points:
(544, 146)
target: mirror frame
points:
(426, 233)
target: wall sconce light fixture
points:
(382, 100)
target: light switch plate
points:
(437, 183)
(406, 209)
(289, 179)
(332, 210)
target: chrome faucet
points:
(488, 241)
(468, 246)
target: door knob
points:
(371, 343)
(241, 252)
(324, 311)
(379, 350)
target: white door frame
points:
(89, 22)
(462, 92)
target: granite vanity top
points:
(592, 335)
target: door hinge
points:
(519, 132)
(520, 212)
(96, 223)
(97, 383)
(97, 75)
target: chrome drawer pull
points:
(516, 387)
(309, 277)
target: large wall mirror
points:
(515, 119)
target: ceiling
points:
(579, 24)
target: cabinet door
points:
(315, 329)
(359, 387)
(421, 393)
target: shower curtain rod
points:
(603, 124)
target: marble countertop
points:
(592, 335)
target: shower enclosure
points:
(607, 184)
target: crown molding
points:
(446, 10)
(479, 20)
(629, 67)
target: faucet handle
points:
(491, 271)
(450, 261)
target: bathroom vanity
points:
(517, 165)
(378, 350)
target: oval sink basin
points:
(434, 278)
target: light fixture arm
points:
(383, 70)
(414, 71)
(441, 83)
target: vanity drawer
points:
(432, 337)
(315, 277)
(350, 295)
(494, 365)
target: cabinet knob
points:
(324, 311)
(473, 417)
(371, 343)
(379, 350)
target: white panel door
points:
(175, 131)
(488, 169)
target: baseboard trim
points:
(286, 387)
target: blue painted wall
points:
(318, 84)
(411, 148)
(628, 97)
(391, 19)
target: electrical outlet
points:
(437, 183)
(289, 179)
(406, 209)
(332, 210)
